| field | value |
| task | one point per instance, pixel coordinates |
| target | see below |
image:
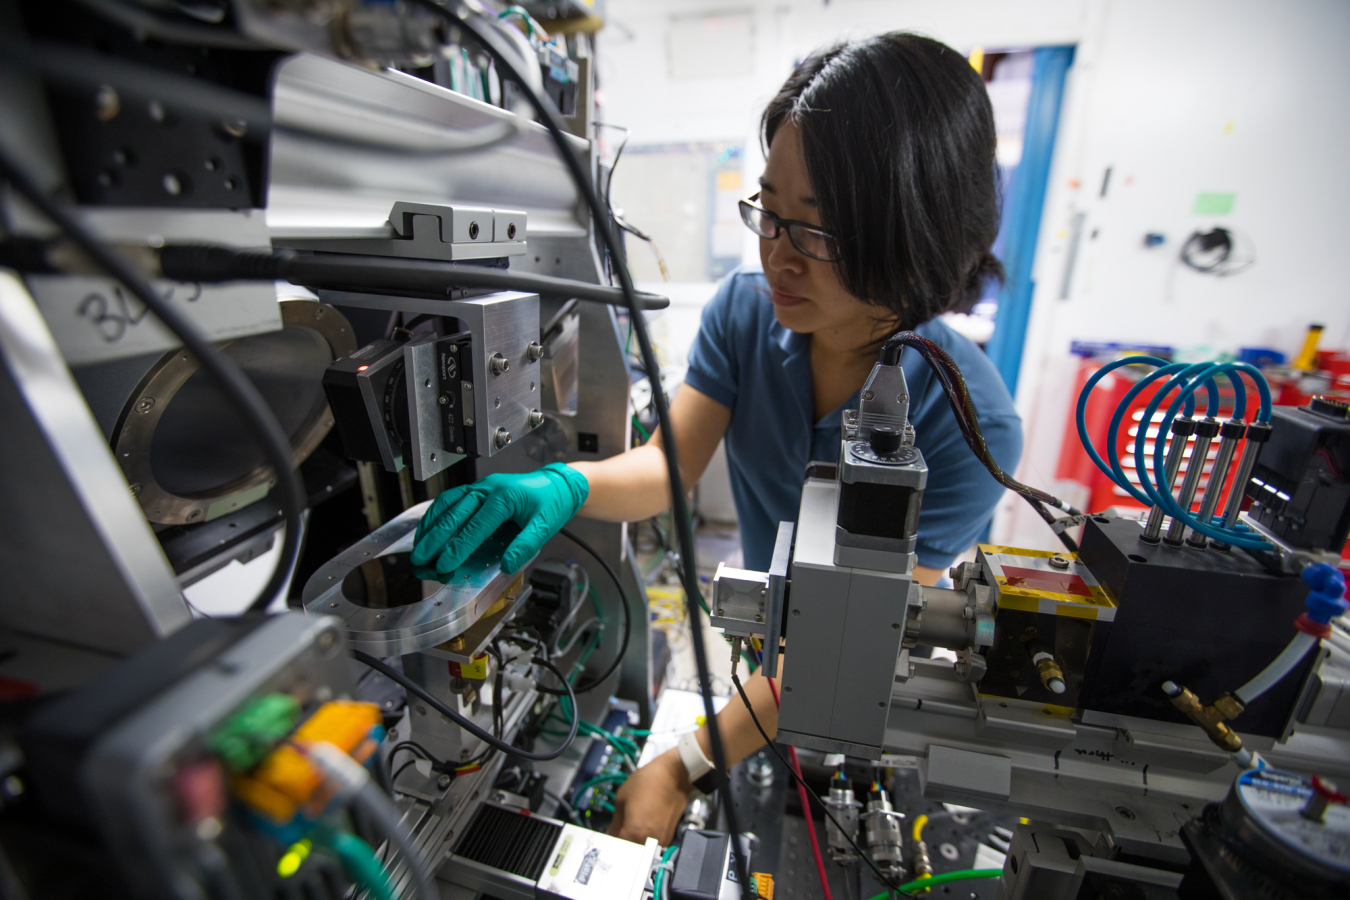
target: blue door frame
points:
(1050, 68)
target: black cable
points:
(1065, 538)
(414, 748)
(492, 43)
(226, 372)
(768, 742)
(609, 180)
(211, 264)
(625, 607)
(468, 725)
(963, 408)
(84, 69)
(394, 780)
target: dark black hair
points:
(898, 135)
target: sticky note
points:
(1213, 204)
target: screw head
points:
(868, 395)
(511, 231)
(443, 782)
(498, 364)
(106, 103)
(444, 400)
(421, 710)
(536, 418)
(473, 231)
(501, 438)
(145, 405)
(534, 352)
(1060, 561)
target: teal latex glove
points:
(540, 502)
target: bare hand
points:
(651, 801)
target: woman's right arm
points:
(625, 488)
(634, 485)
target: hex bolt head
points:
(498, 364)
(501, 438)
(534, 352)
(443, 782)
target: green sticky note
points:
(1213, 204)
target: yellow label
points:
(562, 854)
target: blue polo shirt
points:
(761, 371)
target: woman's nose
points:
(782, 256)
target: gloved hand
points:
(460, 519)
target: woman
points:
(875, 213)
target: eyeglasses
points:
(808, 239)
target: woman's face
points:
(807, 295)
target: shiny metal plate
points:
(444, 611)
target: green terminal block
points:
(250, 734)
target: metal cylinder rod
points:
(1182, 429)
(1231, 433)
(1257, 434)
(1205, 430)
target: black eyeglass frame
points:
(792, 227)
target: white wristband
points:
(691, 754)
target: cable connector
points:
(1326, 598)
(345, 776)
(1210, 718)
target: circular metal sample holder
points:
(354, 587)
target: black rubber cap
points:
(1259, 432)
(884, 439)
(1233, 429)
(1183, 425)
(1207, 427)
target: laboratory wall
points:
(1166, 101)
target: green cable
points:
(521, 13)
(642, 431)
(661, 873)
(359, 862)
(599, 779)
(959, 875)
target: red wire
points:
(806, 807)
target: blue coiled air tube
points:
(1165, 499)
(1189, 378)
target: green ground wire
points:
(642, 431)
(959, 875)
(661, 873)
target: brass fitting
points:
(1210, 718)
(1052, 677)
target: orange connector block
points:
(287, 778)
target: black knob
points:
(884, 440)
